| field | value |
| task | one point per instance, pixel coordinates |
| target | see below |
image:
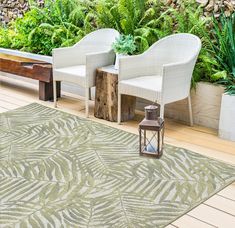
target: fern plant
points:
(60, 26)
(131, 17)
(58, 23)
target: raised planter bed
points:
(206, 101)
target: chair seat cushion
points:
(147, 87)
(75, 74)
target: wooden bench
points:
(30, 68)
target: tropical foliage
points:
(64, 22)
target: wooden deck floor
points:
(218, 211)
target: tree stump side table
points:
(106, 97)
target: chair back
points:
(175, 49)
(99, 40)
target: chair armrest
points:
(176, 80)
(136, 65)
(96, 60)
(69, 56)
(178, 70)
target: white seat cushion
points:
(75, 74)
(148, 87)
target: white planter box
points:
(26, 55)
(206, 103)
(227, 118)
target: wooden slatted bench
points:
(31, 68)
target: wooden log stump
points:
(106, 97)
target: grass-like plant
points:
(224, 47)
(125, 44)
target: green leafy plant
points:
(187, 18)
(62, 23)
(224, 47)
(5, 40)
(153, 20)
(59, 23)
(125, 44)
(135, 17)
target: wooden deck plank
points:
(171, 226)
(222, 203)
(213, 216)
(213, 153)
(13, 100)
(228, 192)
(8, 105)
(3, 110)
(24, 89)
(221, 145)
(197, 134)
(187, 221)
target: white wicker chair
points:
(78, 64)
(162, 74)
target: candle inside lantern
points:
(152, 147)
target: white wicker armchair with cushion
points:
(162, 74)
(78, 64)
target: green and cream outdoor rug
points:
(58, 170)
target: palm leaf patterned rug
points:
(58, 170)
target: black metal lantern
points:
(151, 133)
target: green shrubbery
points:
(64, 22)
(58, 24)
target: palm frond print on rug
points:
(57, 170)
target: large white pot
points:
(227, 118)
(118, 56)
